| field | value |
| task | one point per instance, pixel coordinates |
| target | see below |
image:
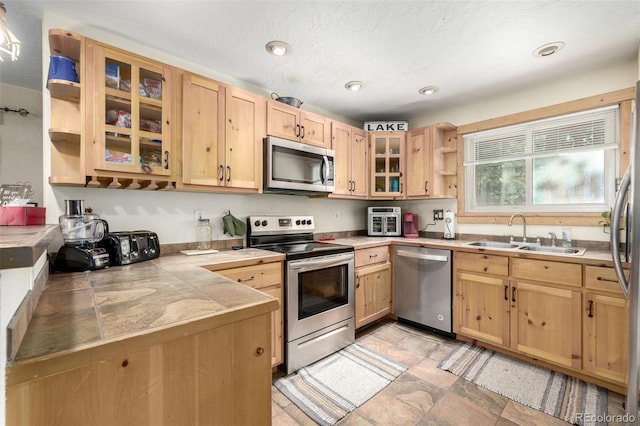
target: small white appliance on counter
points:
(384, 221)
(449, 225)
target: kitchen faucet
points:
(553, 238)
(524, 226)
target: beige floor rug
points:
(559, 395)
(331, 388)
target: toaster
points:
(127, 247)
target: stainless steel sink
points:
(494, 244)
(577, 251)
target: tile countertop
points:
(591, 257)
(87, 309)
(22, 246)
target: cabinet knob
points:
(260, 350)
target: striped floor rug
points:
(559, 395)
(331, 388)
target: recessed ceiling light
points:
(278, 48)
(548, 49)
(354, 86)
(428, 90)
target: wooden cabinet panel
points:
(268, 279)
(418, 162)
(602, 278)
(202, 131)
(481, 308)
(547, 271)
(485, 263)
(546, 323)
(291, 123)
(245, 129)
(283, 121)
(359, 163)
(350, 169)
(369, 256)
(606, 336)
(341, 144)
(373, 293)
(316, 129)
(210, 377)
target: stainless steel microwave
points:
(384, 221)
(294, 167)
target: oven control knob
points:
(298, 222)
(257, 223)
(264, 223)
(308, 221)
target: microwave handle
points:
(325, 169)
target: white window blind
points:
(580, 132)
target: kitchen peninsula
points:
(163, 341)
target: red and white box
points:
(22, 215)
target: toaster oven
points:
(384, 221)
(127, 247)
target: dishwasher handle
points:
(420, 256)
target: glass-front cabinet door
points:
(387, 164)
(132, 107)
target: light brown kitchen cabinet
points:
(419, 158)
(205, 372)
(222, 131)
(386, 164)
(351, 160)
(268, 279)
(131, 121)
(431, 170)
(606, 325)
(66, 128)
(291, 123)
(546, 323)
(373, 285)
(202, 131)
(482, 297)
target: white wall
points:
(21, 138)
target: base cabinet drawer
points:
(372, 255)
(480, 262)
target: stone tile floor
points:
(425, 394)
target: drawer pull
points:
(590, 303)
(260, 350)
(609, 280)
(371, 256)
(485, 269)
(244, 280)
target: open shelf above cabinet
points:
(65, 43)
(64, 90)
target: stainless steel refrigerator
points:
(630, 192)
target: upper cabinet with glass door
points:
(132, 98)
(387, 164)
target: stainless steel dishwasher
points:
(422, 287)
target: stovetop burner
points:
(290, 235)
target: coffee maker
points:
(410, 228)
(81, 232)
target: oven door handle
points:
(432, 257)
(314, 264)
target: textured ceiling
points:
(469, 49)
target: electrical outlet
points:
(438, 214)
(336, 215)
(197, 214)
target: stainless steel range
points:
(319, 287)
